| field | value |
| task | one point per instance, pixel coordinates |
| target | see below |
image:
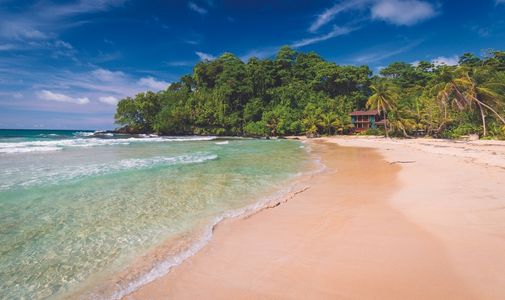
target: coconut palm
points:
(342, 123)
(402, 123)
(327, 122)
(383, 99)
(466, 89)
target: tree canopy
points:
(301, 93)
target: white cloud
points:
(399, 12)
(5, 47)
(205, 56)
(52, 96)
(197, 8)
(109, 100)
(107, 75)
(329, 14)
(62, 44)
(415, 63)
(20, 30)
(260, 53)
(377, 54)
(45, 19)
(402, 12)
(269, 51)
(337, 31)
(443, 60)
(153, 84)
(179, 63)
(82, 7)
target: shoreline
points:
(265, 269)
(161, 259)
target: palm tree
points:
(466, 88)
(327, 122)
(383, 99)
(401, 122)
(310, 123)
(342, 123)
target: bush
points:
(462, 129)
(372, 131)
(256, 129)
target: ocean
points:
(77, 208)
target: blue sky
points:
(64, 64)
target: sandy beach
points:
(386, 219)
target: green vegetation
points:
(300, 93)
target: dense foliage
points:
(301, 93)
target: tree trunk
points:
(386, 123)
(483, 117)
(491, 109)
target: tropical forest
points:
(296, 93)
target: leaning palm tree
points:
(383, 99)
(402, 124)
(466, 88)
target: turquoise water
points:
(78, 207)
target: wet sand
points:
(370, 227)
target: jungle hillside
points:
(299, 93)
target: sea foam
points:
(55, 145)
(41, 176)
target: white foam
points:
(38, 176)
(222, 143)
(55, 145)
(84, 133)
(28, 149)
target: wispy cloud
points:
(499, 1)
(179, 63)
(380, 53)
(205, 56)
(337, 31)
(44, 20)
(79, 7)
(329, 14)
(107, 75)
(398, 12)
(403, 12)
(260, 53)
(269, 51)
(5, 47)
(153, 84)
(198, 9)
(58, 97)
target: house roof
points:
(365, 113)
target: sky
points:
(65, 64)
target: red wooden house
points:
(364, 120)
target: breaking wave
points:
(56, 145)
(39, 176)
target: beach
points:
(385, 219)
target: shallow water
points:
(76, 207)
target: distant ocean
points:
(79, 207)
